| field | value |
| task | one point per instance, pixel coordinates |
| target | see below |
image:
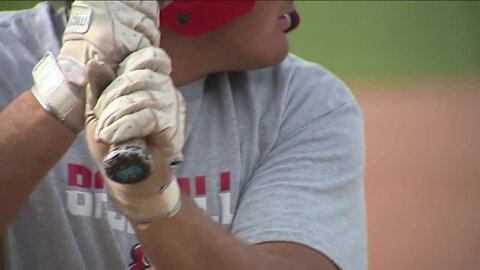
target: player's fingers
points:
(134, 102)
(152, 58)
(150, 8)
(137, 125)
(137, 80)
(137, 21)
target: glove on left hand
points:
(141, 102)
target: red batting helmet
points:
(196, 17)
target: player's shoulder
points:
(25, 35)
(25, 17)
(313, 77)
(306, 85)
(36, 27)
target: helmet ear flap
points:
(197, 17)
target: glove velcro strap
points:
(56, 95)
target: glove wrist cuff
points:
(166, 204)
(56, 94)
(145, 210)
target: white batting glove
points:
(106, 31)
(141, 103)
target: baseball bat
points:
(129, 163)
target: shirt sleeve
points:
(309, 189)
(25, 36)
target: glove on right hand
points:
(106, 31)
(110, 30)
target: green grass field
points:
(393, 39)
(399, 40)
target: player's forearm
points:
(32, 141)
(191, 240)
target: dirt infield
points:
(423, 175)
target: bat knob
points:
(128, 164)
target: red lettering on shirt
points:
(184, 184)
(200, 188)
(225, 181)
(79, 176)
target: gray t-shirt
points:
(275, 154)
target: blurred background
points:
(415, 68)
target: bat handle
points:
(129, 162)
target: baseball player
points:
(258, 155)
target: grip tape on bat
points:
(129, 163)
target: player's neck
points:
(185, 71)
(189, 62)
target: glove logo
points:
(79, 21)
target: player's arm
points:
(191, 240)
(40, 125)
(32, 141)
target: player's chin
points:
(273, 55)
(262, 55)
(283, 52)
(279, 57)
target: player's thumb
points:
(99, 76)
